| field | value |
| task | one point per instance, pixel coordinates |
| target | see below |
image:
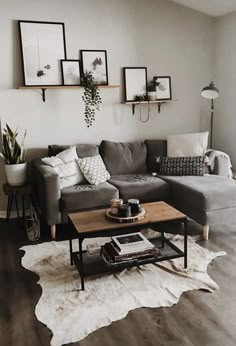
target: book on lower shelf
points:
(113, 256)
(132, 242)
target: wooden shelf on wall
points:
(159, 103)
(43, 88)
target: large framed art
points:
(95, 61)
(135, 80)
(43, 47)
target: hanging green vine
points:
(91, 98)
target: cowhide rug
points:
(72, 314)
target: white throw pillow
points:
(94, 169)
(188, 145)
(66, 166)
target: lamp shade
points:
(210, 92)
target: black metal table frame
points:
(120, 231)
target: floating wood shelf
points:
(158, 103)
(43, 88)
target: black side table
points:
(15, 193)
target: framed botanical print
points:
(163, 87)
(135, 82)
(43, 47)
(70, 72)
(95, 61)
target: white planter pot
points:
(16, 174)
(152, 95)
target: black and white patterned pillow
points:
(182, 165)
(94, 169)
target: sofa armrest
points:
(46, 190)
(219, 163)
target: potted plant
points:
(151, 88)
(13, 154)
(91, 97)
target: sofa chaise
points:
(208, 199)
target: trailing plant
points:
(91, 98)
(13, 151)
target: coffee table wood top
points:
(95, 220)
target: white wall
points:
(225, 78)
(167, 38)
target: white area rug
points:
(72, 314)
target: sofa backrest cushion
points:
(124, 158)
(83, 150)
(155, 148)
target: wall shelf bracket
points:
(43, 94)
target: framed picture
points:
(43, 47)
(163, 87)
(95, 61)
(70, 72)
(135, 80)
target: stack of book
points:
(128, 248)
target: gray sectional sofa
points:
(208, 199)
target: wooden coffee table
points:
(93, 224)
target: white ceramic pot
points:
(152, 95)
(16, 174)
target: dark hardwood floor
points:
(200, 318)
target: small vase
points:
(16, 174)
(152, 96)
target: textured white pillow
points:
(66, 166)
(94, 169)
(189, 145)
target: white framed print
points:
(71, 72)
(95, 61)
(42, 47)
(163, 87)
(135, 82)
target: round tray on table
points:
(138, 217)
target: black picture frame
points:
(166, 82)
(91, 57)
(134, 85)
(74, 75)
(39, 71)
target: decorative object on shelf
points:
(91, 97)
(135, 82)
(70, 72)
(163, 87)
(42, 46)
(13, 154)
(95, 62)
(152, 92)
(210, 92)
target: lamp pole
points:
(212, 118)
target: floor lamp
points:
(210, 92)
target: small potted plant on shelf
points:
(151, 88)
(13, 154)
(91, 97)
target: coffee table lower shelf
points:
(94, 264)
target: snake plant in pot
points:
(13, 154)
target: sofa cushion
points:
(145, 187)
(181, 165)
(87, 196)
(155, 148)
(191, 144)
(82, 150)
(207, 193)
(124, 158)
